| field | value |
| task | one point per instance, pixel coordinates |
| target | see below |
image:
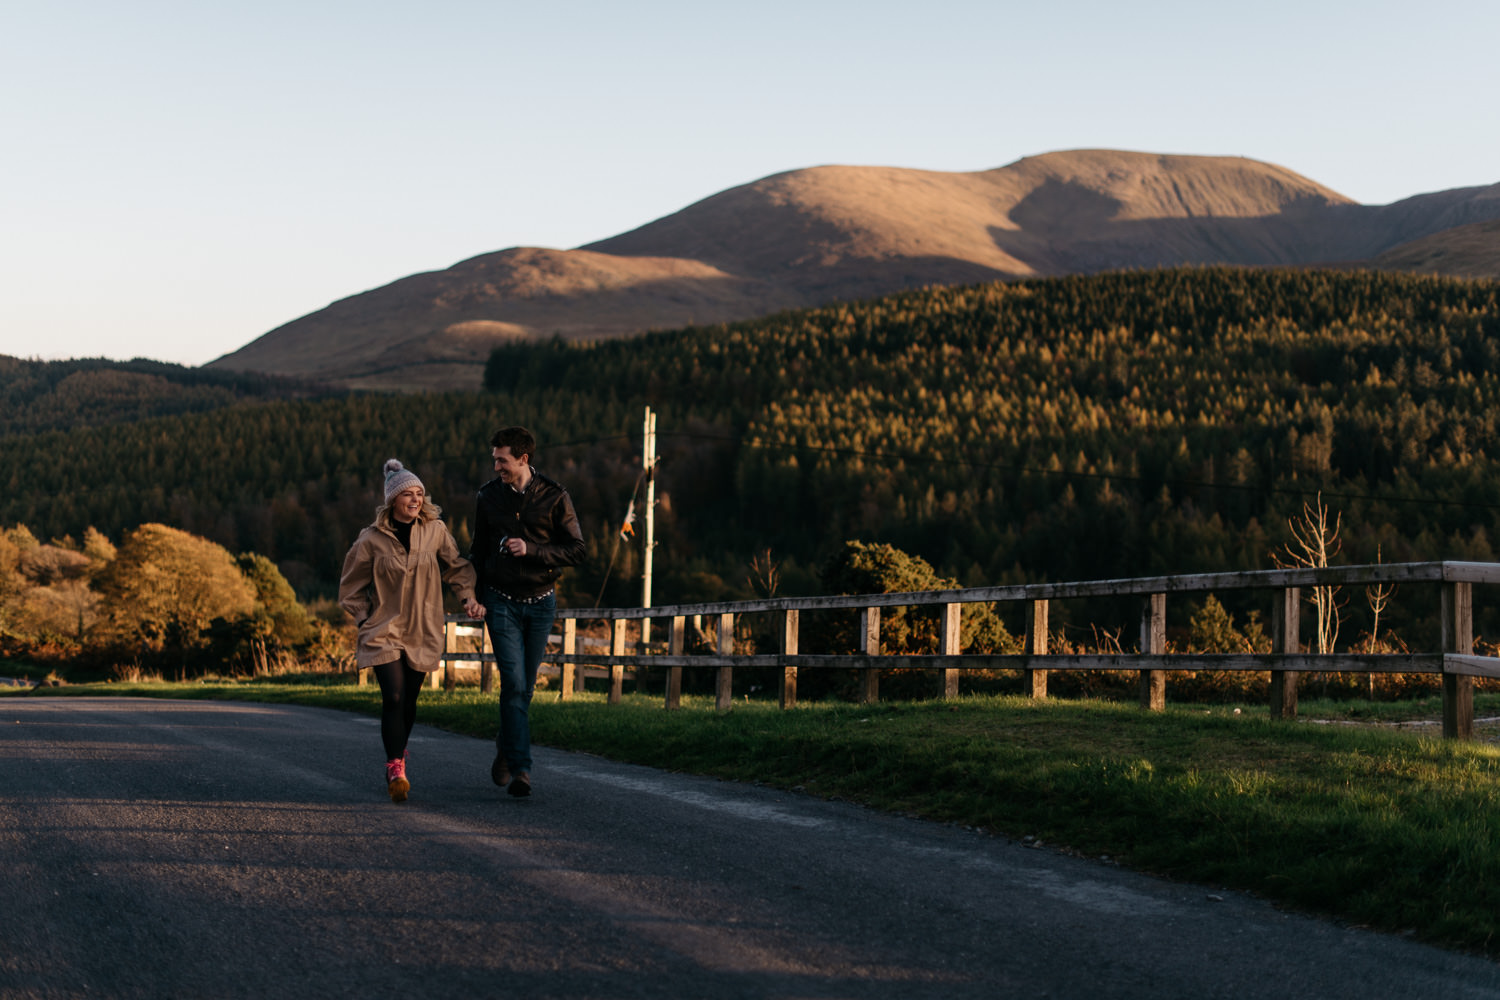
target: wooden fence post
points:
(1034, 681)
(617, 670)
(642, 648)
(790, 622)
(450, 639)
(950, 643)
(486, 667)
(869, 644)
(570, 681)
(1458, 637)
(1154, 643)
(1286, 640)
(675, 646)
(724, 646)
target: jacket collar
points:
(530, 478)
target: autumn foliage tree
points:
(45, 599)
(166, 587)
(164, 601)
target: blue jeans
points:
(519, 633)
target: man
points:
(525, 532)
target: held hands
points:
(473, 608)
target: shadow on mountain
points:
(1060, 207)
(850, 280)
(1306, 232)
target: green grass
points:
(1380, 826)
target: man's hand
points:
(474, 608)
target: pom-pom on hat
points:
(397, 478)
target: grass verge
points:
(1390, 828)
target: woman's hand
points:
(474, 608)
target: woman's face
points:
(408, 504)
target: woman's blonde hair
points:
(429, 512)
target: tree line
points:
(59, 395)
(162, 603)
(1126, 424)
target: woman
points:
(392, 585)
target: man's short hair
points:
(517, 439)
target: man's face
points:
(408, 504)
(508, 467)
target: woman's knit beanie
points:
(397, 478)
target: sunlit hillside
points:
(827, 234)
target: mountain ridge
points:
(829, 233)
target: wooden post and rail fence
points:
(1455, 661)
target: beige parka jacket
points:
(396, 596)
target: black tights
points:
(400, 687)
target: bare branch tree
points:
(1314, 542)
(1378, 595)
(765, 574)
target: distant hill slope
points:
(435, 330)
(1471, 251)
(93, 392)
(824, 234)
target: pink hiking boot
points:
(395, 779)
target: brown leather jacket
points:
(396, 596)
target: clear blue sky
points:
(177, 178)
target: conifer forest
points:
(1115, 425)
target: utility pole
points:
(648, 463)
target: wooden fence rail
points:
(1454, 661)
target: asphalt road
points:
(162, 849)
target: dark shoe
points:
(500, 771)
(520, 785)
